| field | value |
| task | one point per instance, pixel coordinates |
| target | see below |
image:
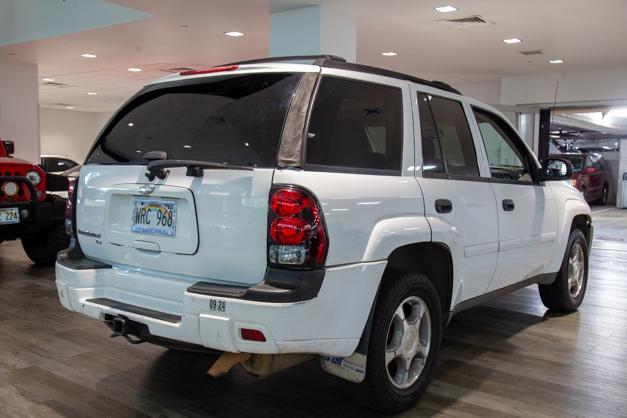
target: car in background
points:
(29, 211)
(71, 174)
(591, 175)
(56, 164)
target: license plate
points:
(154, 216)
(9, 216)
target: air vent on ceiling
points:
(177, 70)
(465, 22)
(54, 84)
(532, 52)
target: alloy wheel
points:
(576, 269)
(408, 342)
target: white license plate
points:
(154, 216)
(9, 216)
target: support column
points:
(19, 108)
(313, 30)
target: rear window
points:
(230, 120)
(356, 126)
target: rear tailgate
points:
(220, 222)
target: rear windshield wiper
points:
(194, 168)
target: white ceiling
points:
(586, 34)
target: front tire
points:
(404, 344)
(566, 293)
(43, 248)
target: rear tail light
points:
(297, 235)
(70, 205)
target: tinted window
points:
(233, 120)
(454, 147)
(505, 158)
(54, 164)
(356, 125)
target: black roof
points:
(333, 61)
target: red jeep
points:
(27, 210)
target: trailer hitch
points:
(121, 326)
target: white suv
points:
(280, 209)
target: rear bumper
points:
(178, 309)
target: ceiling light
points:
(187, 146)
(389, 54)
(446, 9)
(557, 61)
(92, 93)
(512, 41)
(135, 70)
(234, 34)
(69, 107)
(131, 124)
(48, 80)
(89, 56)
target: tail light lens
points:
(69, 207)
(297, 235)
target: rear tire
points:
(566, 293)
(404, 344)
(43, 248)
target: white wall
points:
(19, 108)
(69, 133)
(603, 85)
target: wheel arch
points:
(433, 259)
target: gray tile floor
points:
(507, 358)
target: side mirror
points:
(9, 147)
(556, 169)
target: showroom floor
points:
(506, 358)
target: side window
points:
(356, 125)
(505, 158)
(446, 139)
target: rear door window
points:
(235, 120)
(355, 126)
(447, 143)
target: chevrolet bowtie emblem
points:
(147, 189)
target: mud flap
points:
(351, 368)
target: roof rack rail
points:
(318, 59)
(333, 61)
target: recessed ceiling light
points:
(512, 41)
(69, 107)
(48, 80)
(234, 34)
(89, 55)
(446, 9)
(187, 146)
(389, 54)
(92, 93)
(135, 70)
(131, 124)
(557, 61)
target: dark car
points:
(591, 175)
